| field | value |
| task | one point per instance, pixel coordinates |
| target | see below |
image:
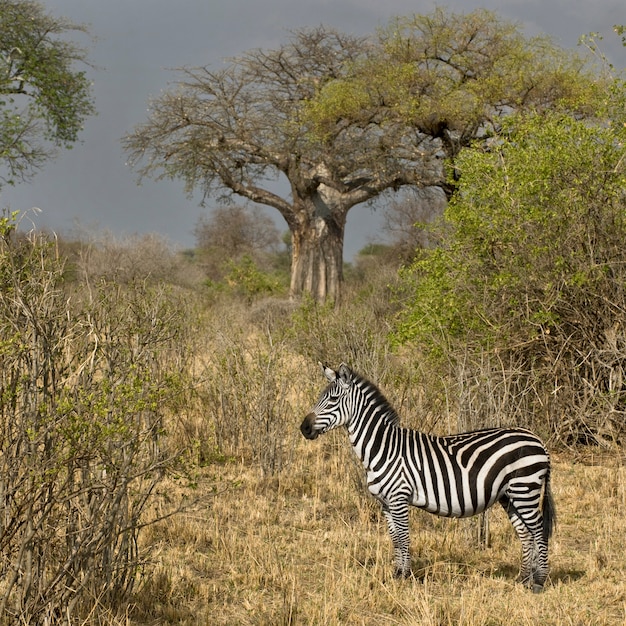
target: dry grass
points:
(309, 547)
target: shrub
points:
(248, 394)
(85, 383)
(525, 296)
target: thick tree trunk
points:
(317, 258)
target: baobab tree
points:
(236, 130)
(269, 116)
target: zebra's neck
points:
(373, 421)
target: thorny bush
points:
(86, 377)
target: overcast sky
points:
(139, 42)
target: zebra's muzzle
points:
(307, 427)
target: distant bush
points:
(95, 255)
(232, 233)
(244, 278)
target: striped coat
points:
(453, 476)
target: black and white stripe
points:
(454, 476)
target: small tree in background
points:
(406, 219)
(232, 232)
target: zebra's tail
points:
(548, 511)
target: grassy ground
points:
(309, 547)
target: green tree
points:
(44, 100)
(343, 120)
(453, 77)
(532, 269)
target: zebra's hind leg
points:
(397, 517)
(527, 522)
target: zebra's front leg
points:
(397, 516)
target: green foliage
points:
(338, 98)
(452, 76)
(532, 263)
(43, 98)
(244, 278)
(532, 219)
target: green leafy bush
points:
(528, 284)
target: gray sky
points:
(139, 42)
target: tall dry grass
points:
(309, 547)
(276, 530)
(305, 544)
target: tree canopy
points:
(453, 77)
(342, 120)
(44, 100)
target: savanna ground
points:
(292, 537)
(253, 525)
(310, 547)
(288, 534)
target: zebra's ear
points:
(345, 373)
(329, 372)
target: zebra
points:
(453, 476)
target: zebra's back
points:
(464, 474)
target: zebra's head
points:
(332, 408)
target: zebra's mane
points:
(384, 408)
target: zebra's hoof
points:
(529, 583)
(402, 573)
